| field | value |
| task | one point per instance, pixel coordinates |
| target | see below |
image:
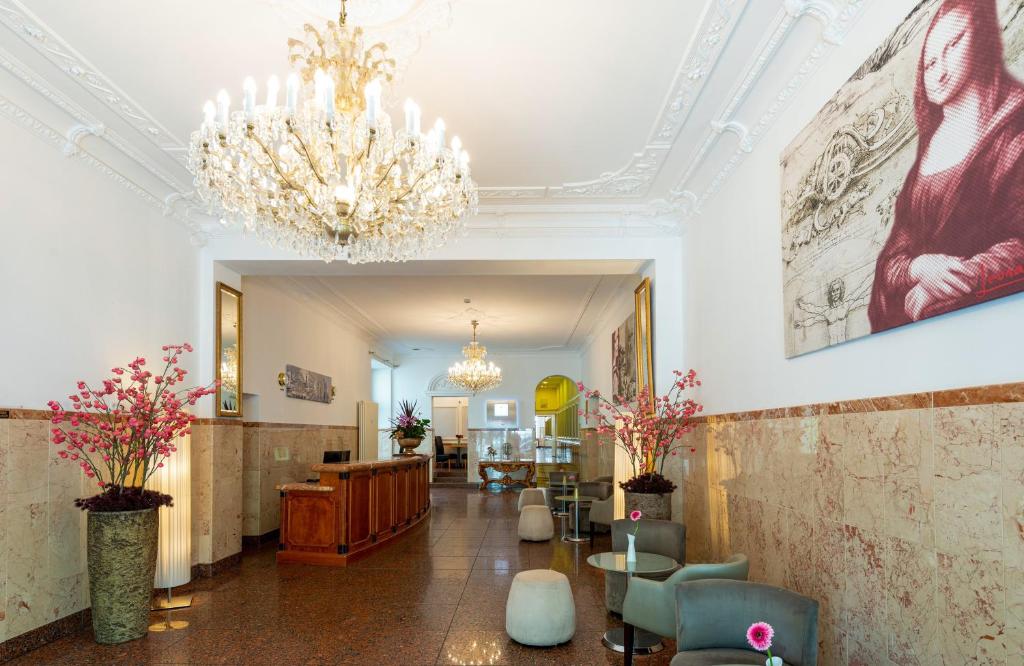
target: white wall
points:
(278, 330)
(520, 372)
(733, 310)
(91, 274)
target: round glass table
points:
(644, 642)
(575, 500)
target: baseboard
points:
(220, 566)
(254, 542)
(15, 647)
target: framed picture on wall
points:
(624, 378)
(502, 414)
(644, 339)
(902, 199)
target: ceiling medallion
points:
(474, 374)
(325, 174)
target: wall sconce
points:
(281, 380)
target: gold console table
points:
(501, 471)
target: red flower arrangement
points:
(648, 432)
(120, 433)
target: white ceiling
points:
(522, 307)
(597, 110)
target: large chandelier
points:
(474, 374)
(325, 174)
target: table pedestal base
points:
(572, 539)
(644, 642)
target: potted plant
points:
(649, 433)
(408, 428)
(119, 433)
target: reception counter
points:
(353, 510)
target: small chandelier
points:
(474, 374)
(325, 174)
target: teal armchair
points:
(651, 604)
(712, 617)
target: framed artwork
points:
(502, 414)
(229, 351)
(904, 197)
(305, 384)
(644, 339)
(624, 378)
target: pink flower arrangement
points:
(649, 432)
(121, 431)
(760, 635)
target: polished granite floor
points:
(435, 596)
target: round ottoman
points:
(536, 524)
(531, 496)
(540, 610)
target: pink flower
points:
(635, 515)
(760, 635)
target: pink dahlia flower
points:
(635, 515)
(760, 635)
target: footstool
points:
(531, 496)
(540, 609)
(536, 524)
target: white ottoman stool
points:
(540, 609)
(536, 524)
(531, 496)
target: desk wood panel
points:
(356, 508)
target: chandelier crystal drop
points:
(474, 374)
(325, 173)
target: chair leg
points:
(627, 644)
(590, 525)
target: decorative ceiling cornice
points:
(634, 180)
(22, 22)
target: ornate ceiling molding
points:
(634, 180)
(61, 140)
(835, 25)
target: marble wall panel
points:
(904, 521)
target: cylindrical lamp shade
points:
(622, 471)
(174, 553)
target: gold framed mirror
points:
(644, 339)
(229, 351)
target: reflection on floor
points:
(436, 596)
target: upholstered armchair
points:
(651, 604)
(601, 512)
(662, 537)
(603, 493)
(713, 617)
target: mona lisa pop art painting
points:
(904, 197)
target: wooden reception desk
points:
(355, 509)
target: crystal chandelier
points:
(325, 174)
(474, 374)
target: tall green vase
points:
(122, 561)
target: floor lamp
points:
(174, 549)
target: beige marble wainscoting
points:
(43, 575)
(216, 492)
(902, 516)
(276, 453)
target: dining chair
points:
(439, 455)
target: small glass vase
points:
(773, 661)
(631, 549)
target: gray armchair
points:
(601, 512)
(663, 537)
(651, 604)
(603, 492)
(713, 617)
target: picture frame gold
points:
(228, 359)
(644, 338)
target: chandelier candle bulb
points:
(273, 85)
(249, 98)
(372, 103)
(463, 163)
(223, 107)
(329, 98)
(291, 93)
(439, 129)
(209, 114)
